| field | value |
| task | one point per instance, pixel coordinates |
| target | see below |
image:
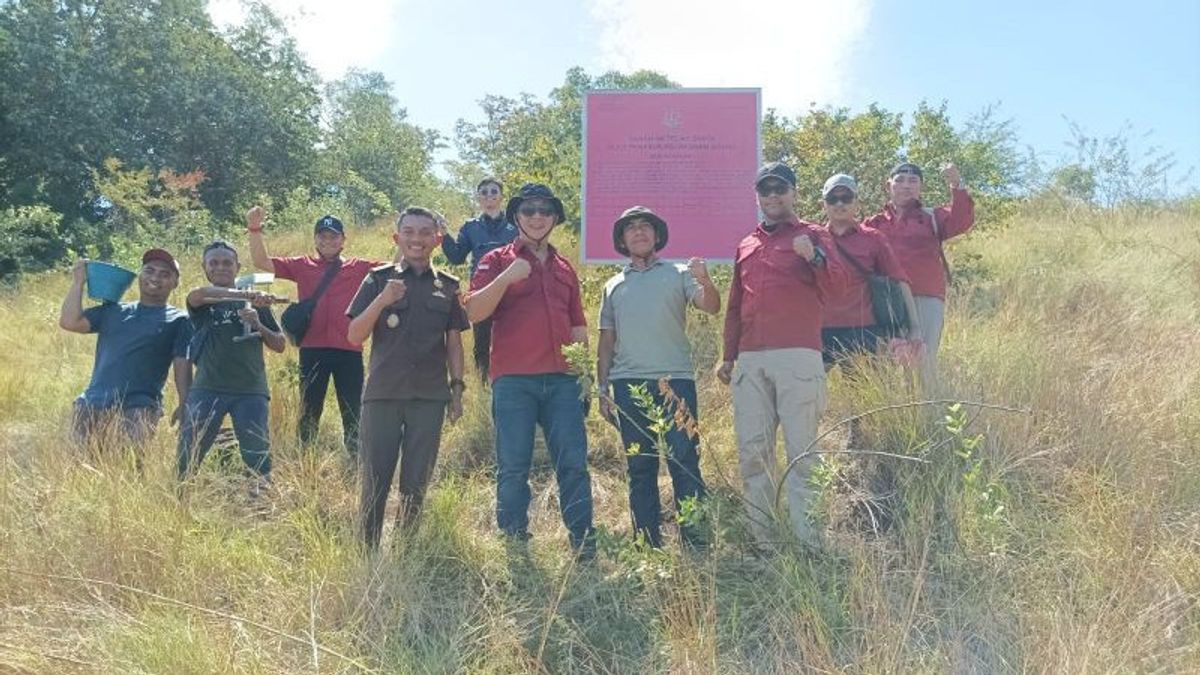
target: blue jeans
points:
(202, 420)
(519, 402)
(683, 460)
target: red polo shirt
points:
(869, 248)
(776, 297)
(533, 321)
(910, 232)
(329, 323)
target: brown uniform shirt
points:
(408, 342)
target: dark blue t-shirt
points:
(134, 350)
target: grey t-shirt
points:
(648, 311)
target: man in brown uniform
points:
(414, 318)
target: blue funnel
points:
(107, 282)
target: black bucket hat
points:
(533, 191)
(660, 228)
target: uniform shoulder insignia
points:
(382, 268)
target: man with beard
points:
(783, 273)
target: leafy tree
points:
(379, 160)
(523, 140)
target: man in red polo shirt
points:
(532, 295)
(783, 272)
(324, 351)
(848, 325)
(916, 233)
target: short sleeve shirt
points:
(134, 350)
(224, 364)
(851, 308)
(533, 321)
(648, 310)
(329, 324)
(408, 341)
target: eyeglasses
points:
(766, 189)
(489, 191)
(839, 198)
(529, 211)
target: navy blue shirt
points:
(134, 350)
(478, 237)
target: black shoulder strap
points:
(326, 279)
(850, 259)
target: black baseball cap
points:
(328, 222)
(776, 170)
(906, 167)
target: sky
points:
(1100, 64)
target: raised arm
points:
(482, 303)
(70, 316)
(258, 245)
(959, 215)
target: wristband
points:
(458, 382)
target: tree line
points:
(127, 121)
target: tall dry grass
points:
(1065, 538)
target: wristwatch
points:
(458, 382)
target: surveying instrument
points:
(256, 281)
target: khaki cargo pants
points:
(770, 388)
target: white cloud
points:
(796, 50)
(333, 34)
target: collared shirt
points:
(136, 345)
(647, 308)
(478, 237)
(870, 249)
(408, 341)
(533, 321)
(910, 232)
(329, 325)
(776, 297)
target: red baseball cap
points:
(161, 255)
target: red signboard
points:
(688, 154)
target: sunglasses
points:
(765, 189)
(842, 198)
(529, 211)
(489, 191)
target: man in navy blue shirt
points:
(490, 230)
(137, 342)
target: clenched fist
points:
(517, 271)
(803, 247)
(698, 268)
(953, 178)
(393, 291)
(254, 219)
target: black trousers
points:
(317, 365)
(407, 432)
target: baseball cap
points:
(328, 222)
(906, 167)
(840, 180)
(776, 170)
(161, 255)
